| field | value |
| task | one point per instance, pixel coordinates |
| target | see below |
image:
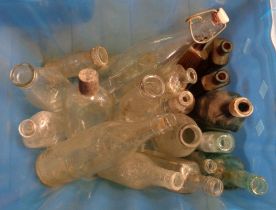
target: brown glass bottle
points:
(209, 82)
(222, 110)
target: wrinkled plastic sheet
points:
(35, 31)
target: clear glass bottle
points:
(149, 98)
(256, 185)
(222, 110)
(138, 171)
(217, 142)
(207, 165)
(139, 59)
(193, 179)
(44, 89)
(70, 66)
(176, 78)
(181, 141)
(44, 129)
(89, 104)
(97, 148)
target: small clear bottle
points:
(256, 185)
(138, 172)
(97, 148)
(217, 142)
(222, 110)
(176, 78)
(140, 59)
(181, 141)
(70, 66)
(44, 89)
(44, 129)
(89, 104)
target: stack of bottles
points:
(153, 116)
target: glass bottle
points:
(44, 129)
(193, 179)
(222, 110)
(256, 185)
(220, 52)
(139, 59)
(97, 148)
(217, 142)
(176, 78)
(44, 89)
(89, 104)
(70, 66)
(212, 81)
(138, 171)
(181, 141)
(207, 165)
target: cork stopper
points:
(241, 107)
(88, 82)
(99, 56)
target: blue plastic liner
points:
(34, 31)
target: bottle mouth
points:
(190, 135)
(22, 75)
(213, 186)
(258, 186)
(27, 128)
(177, 181)
(186, 98)
(191, 75)
(210, 166)
(88, 82)
(99, 56)
(226, 46)
(222, 77)
(152, 86)
(241, 107)
(226, 143)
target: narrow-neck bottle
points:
(97, 148)
(176, 78)
(210, 82)
(181, 141)
(193, 179)
(217, 142)
(256, 185)
(138, 171)
(88, 104)
(44, 89)
(222, 110)
(44, 129)
(69, 66)
(152, 54)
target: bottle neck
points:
(183, 103)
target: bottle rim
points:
(225, 143)
(157, 80)
(17, 70)
(241, 107)
(99, 56)
(190, 135)
(27, 128)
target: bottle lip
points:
(99, 56)
(190, 135)
(191, 75)
(88, 82)
(146, 88)
(258, 185)
(226, 46)
(29, 75)
(213, 186)
(225, 143)
(222, 76)
(177, 181)
(241, 107)
(186, 98)
(27, 128)
(210, 166)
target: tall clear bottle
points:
(97, 148)
(89, 104)
(149, 98)
(138, 171)
(223, 110)
(44, 129)
(44, 89)
(217, 142)
(70, 66)
(181, 141)
(193, 179)
(200, 28)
